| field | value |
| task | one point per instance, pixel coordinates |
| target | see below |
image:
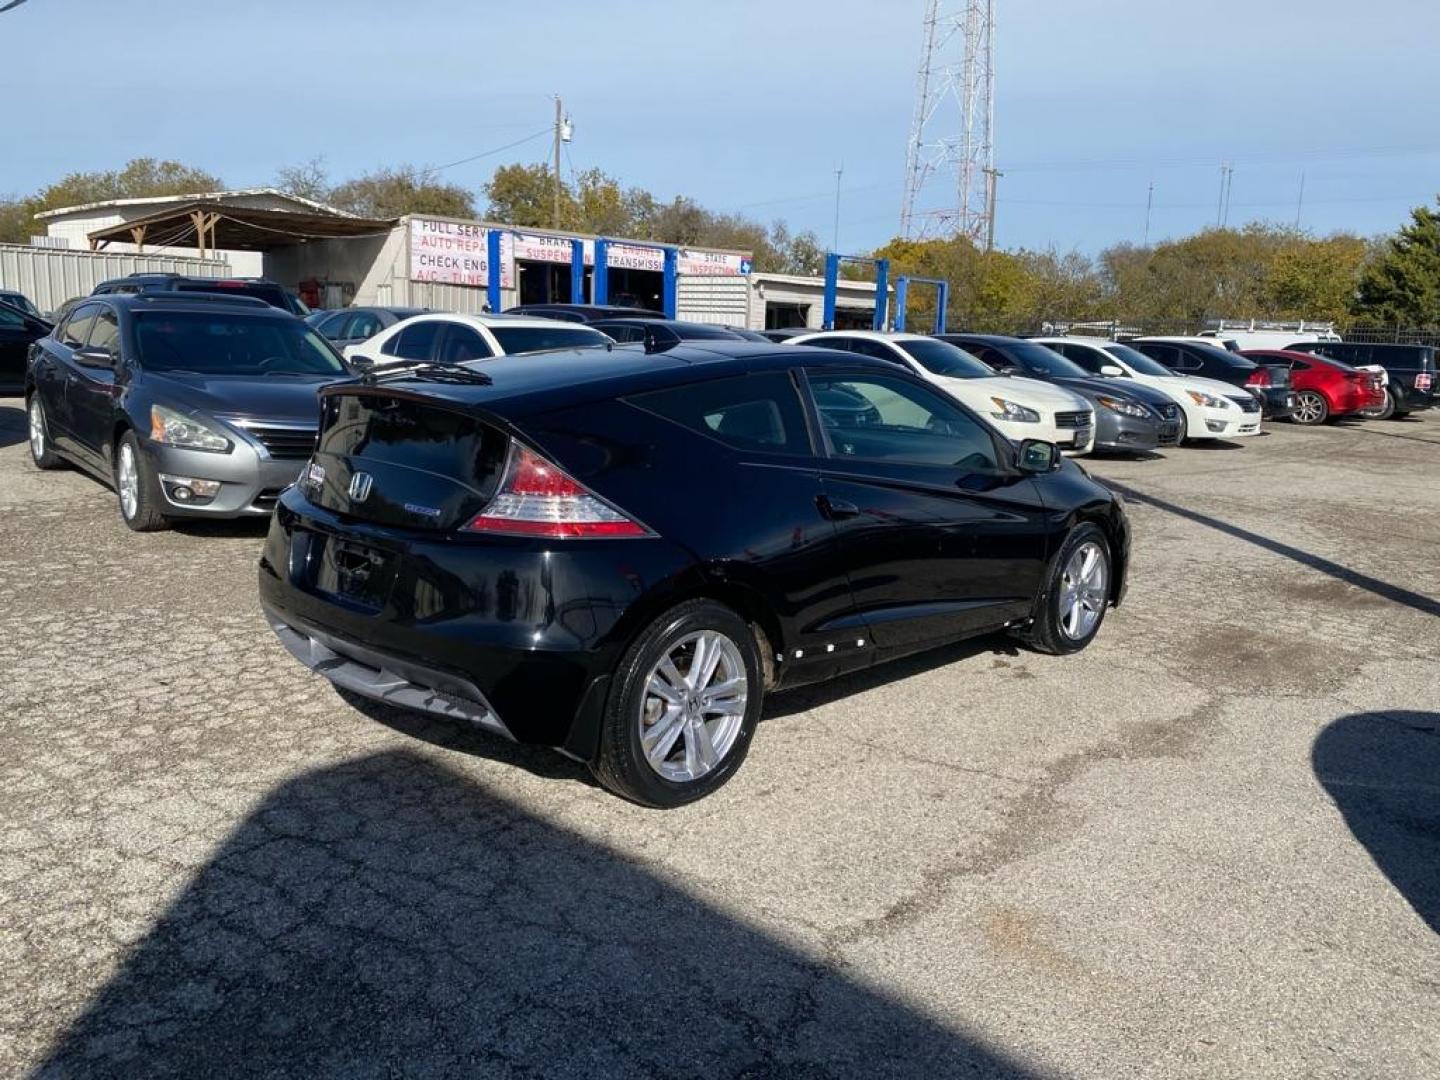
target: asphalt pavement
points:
(1208, 846)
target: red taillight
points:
(537, 498)
(1258, 377)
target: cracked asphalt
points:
(1209, 846)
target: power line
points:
(490, 153)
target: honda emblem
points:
(360, 485)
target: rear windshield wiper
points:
(427, 371)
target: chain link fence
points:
(1116, 329)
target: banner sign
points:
(454, 253)
(458, 254)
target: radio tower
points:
(954, 174)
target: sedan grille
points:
(1168, 411)
(283, 441)
(1072, 419)
(1248, 403)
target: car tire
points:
(137, 488)
(39, 433)
(1184, 428)
(1311, 408)
(1381, 412)
(651, 749)
(1057, 627)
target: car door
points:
(940, 536)
(62, 370)
(91, 388)
(17, 331)
(772, 531)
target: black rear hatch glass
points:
(397, 459)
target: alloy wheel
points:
(1309, 408)
(1083, 592)
(693, 706)
(127, 481)
(37, 429)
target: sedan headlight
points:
(1125, 408)
(175, 429)
(1009, 410)
(1207, 400)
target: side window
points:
(9, 317)
(363, 326)
(1165, 354)
(1295, 365)
(1088, 358)
(877, 418)
(877, 349)
(106, 333)
(985, 353)
(624, 334)
(415, 342)
(77, 327)
(461, 343)
(749, 412)
(332, 327)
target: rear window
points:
(525, 339)
(749, 412)
(380, 429)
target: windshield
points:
(942, 358)
(230, 344)
(1037, 358)
(523, 339)
(21, 301)
(1138, 362)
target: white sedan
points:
(453, 339)
(1021, 408)
(1208, 406)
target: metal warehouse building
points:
(335, 260)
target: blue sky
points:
(751, 106)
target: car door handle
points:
(835, 509)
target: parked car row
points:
(617, 548)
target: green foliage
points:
(139, 179)
(1402, 284)
(390, 192)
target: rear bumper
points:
(393, 680)
(1409, 399)
(1277, 402)
(516, 635)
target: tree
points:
(308, 180)
(390, 192)
(1402, 285)
(524, 195)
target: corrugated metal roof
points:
(205, 196)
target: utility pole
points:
(835, 240)
(1300, 201)
(1220, 199)
(1149, 205)
(992, 181)
(555, 222)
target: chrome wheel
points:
(1083, 591)
(1309, 408)
(127, 481)
(694, 706)
(37, 429)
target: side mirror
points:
(361, 364)
(1038, 456)
(1011, 369)
(1114, 371)
(94, 356)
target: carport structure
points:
(210, 225)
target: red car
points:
(1324, 388)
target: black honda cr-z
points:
(619, 553)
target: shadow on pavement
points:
(1409, 598)
(1383, 771)
(389, 917)
(13, 426)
